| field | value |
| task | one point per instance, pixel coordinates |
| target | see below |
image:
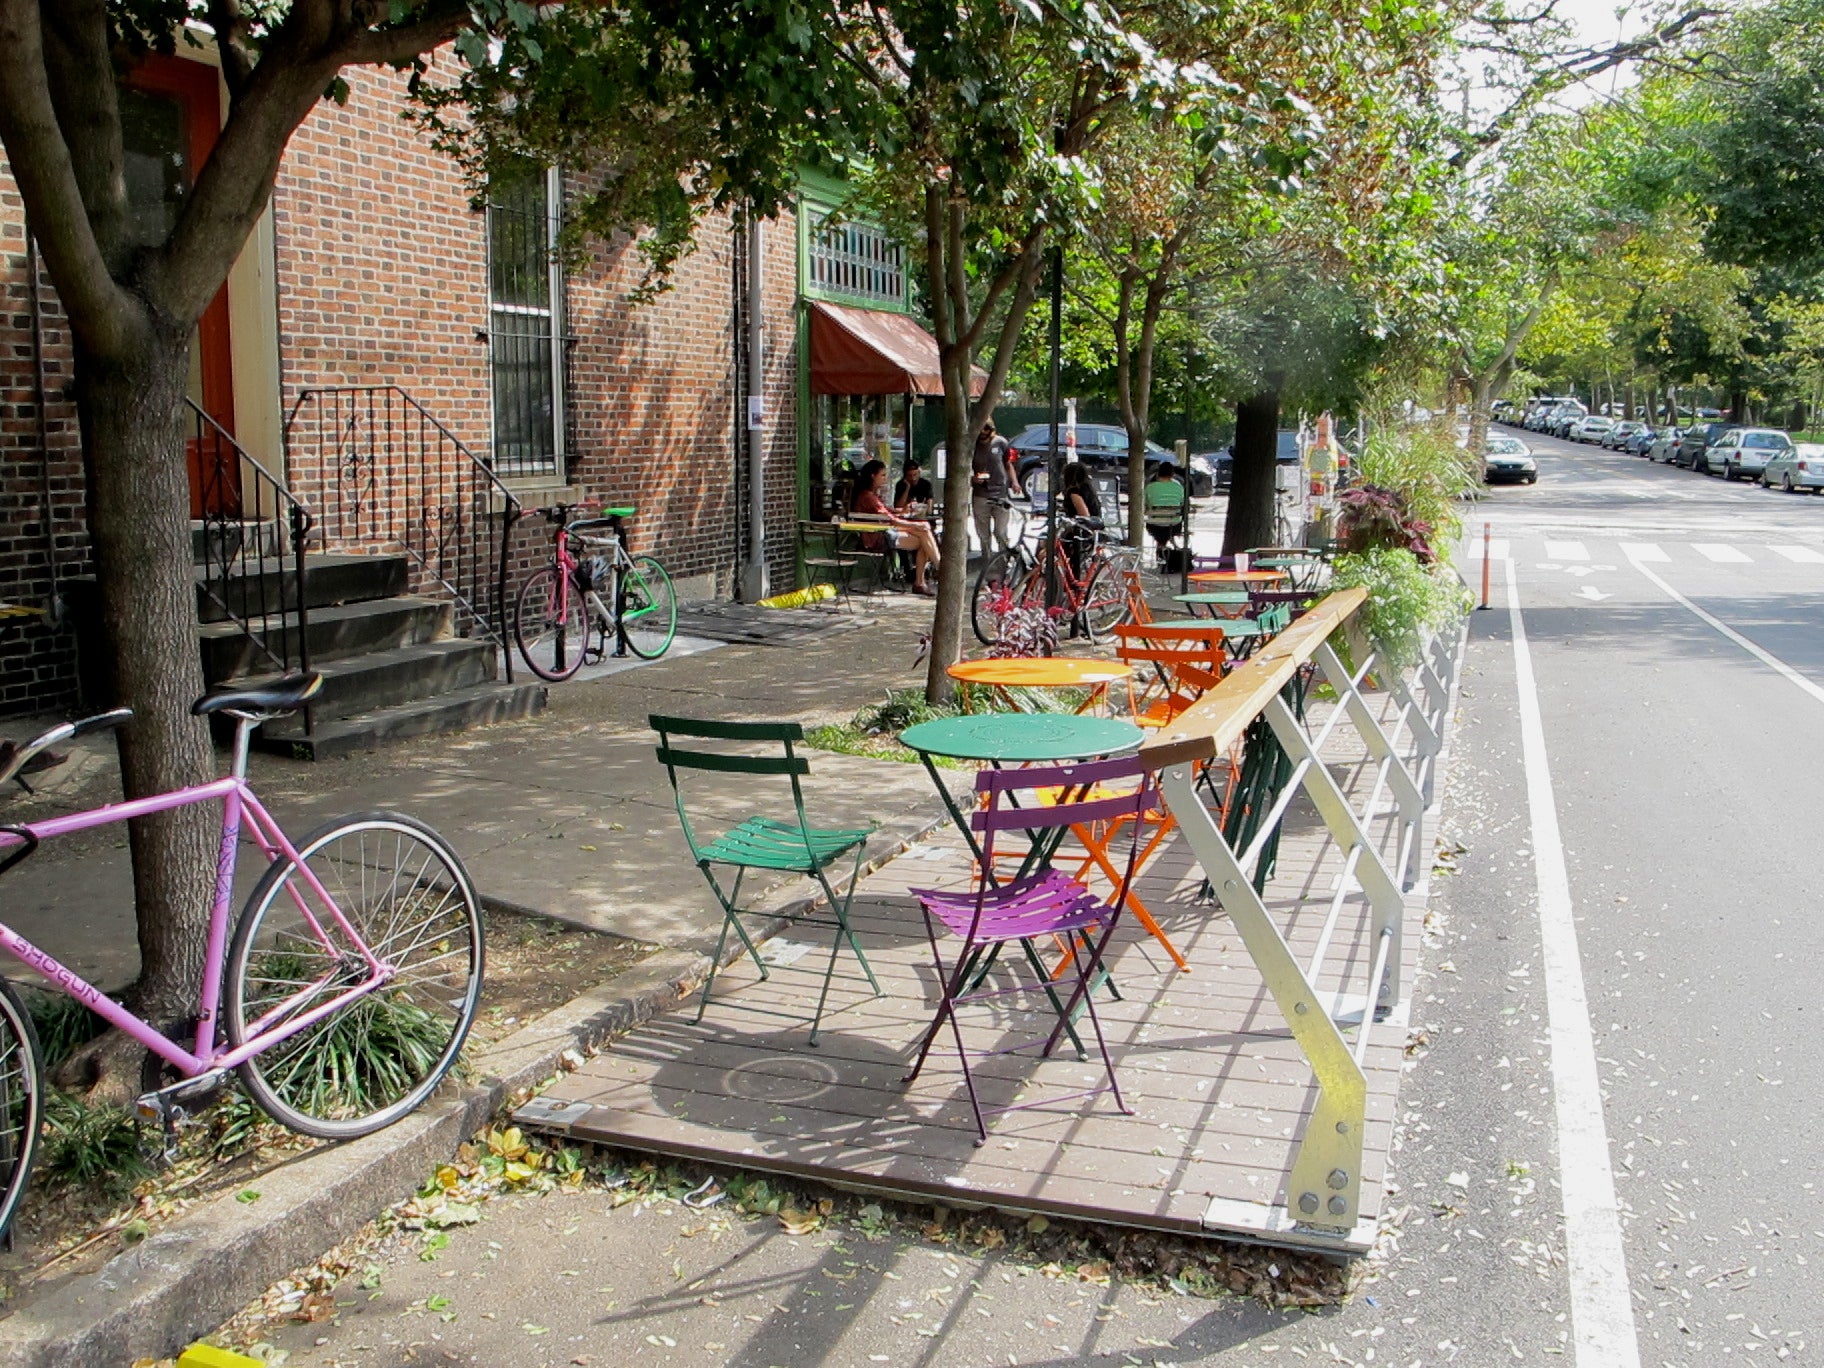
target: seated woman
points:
(905, 534)
(1080, 501)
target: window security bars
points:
(525, 332)
(1380, 833)
(858, 261)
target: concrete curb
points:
(186, 1279)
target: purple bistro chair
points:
(1046, 904)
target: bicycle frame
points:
(238, 802)
(567, 565)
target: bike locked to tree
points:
(606, 591)
(1092, 590)
(342, 999)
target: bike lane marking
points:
(1602, 1314)
(1760, 653)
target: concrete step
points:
(335, 633)
(271, 584)
(474, 706)
(381, 679)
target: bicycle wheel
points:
(1105, 604)
(996, 584)
(21, 1100)
(552, 637)
(649, 608)
(375, 1058)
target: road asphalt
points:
(1607, 1153)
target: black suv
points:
(1696, 441)
(1102, 447)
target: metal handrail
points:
(242, 533)
(388, 472)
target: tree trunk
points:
(1250, 518)
(131, 411)
(1481, 395)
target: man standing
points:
(993, 482)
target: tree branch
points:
(232, 31)
(46, 175)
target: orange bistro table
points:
(1261, 577)
(1041, 672)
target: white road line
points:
(1602, 1316)
(1643, 551)
(1722, 555)
(1566, 551)
(1803, 555)
(1766, 658)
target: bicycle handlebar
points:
(15, 758)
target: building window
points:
(525, 325)
(857, 261)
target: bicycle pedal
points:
(167, 1104)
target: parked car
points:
(1638, 442)
(1565, 419)
(1744, 451)
(1103, 448)
(1590, 428)
(1691, 447)
(1223, 462)
(1664, 444)
(1799, 466)
(1509, 458)
(1617, 437)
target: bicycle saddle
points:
(287, 694)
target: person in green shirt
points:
(1165, 508)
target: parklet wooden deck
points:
(1219, 1089)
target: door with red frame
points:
(170, 114)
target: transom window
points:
(525, 323)
(859, 261)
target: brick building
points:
(372, 269)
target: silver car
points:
(1509, 458)
(1797, 467)
(1744, 451)
(1665, 443)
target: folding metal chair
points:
(763, 843)
(1047, 904)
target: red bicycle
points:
(1092, 586)
(605, 592)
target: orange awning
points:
(868, 351)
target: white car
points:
(1591, 428)
(1744, 451)
(1800, 466)
(1509, 458)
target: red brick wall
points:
(37, 662)
(381, 277)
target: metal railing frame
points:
(237, 546)
(396, 476)
(1323, 1194)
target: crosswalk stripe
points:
(1643, 551)
(1722, 555)
(1803, 555)
(1567, 551)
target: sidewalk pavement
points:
(567, 815)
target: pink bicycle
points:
(347, 990)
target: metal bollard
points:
(1485, 545)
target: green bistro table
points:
(1216, 600)
(1020, 739)
(1239, 635)
(1017, 739)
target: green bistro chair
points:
(763, 843)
